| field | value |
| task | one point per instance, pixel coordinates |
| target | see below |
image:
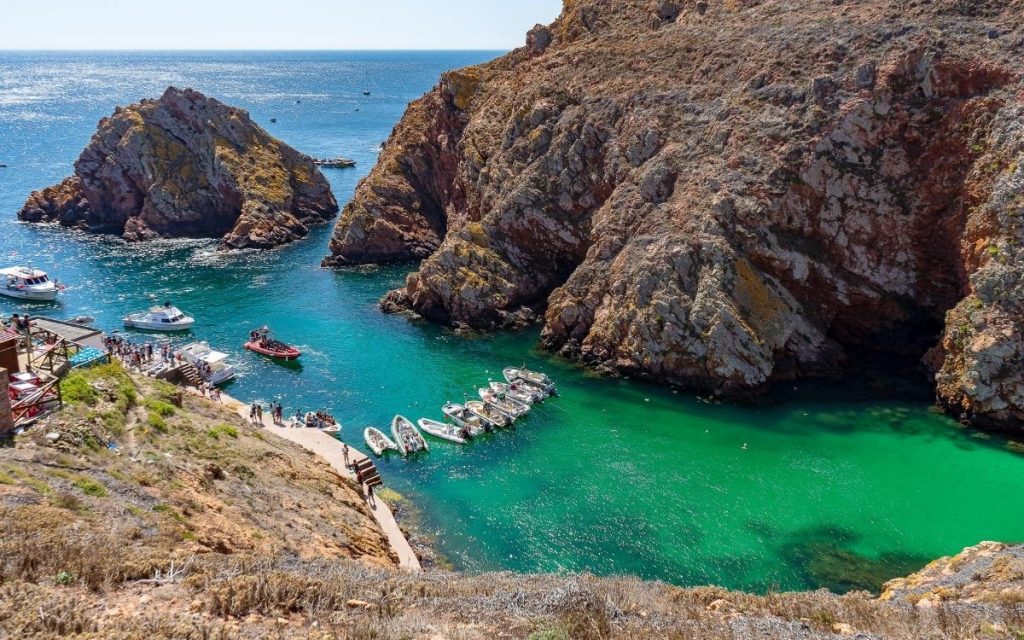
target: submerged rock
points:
(749, 193)
(187, 166)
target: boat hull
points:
(400, 424)
(288, 355)
(436, 429)
(161, 327)
(46, 295)
(377, 441)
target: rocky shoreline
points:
(726, 195)
(186, 165)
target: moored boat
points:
(261, 342)
(460, 415)
(334, 163)
(165, 318)
(407, 437)
(377, 441)
(517, 392)
(535, 378)
(509, 407)
(323, 421)
(211, 365)
(443, 430)
(26, 283)
(489, 414)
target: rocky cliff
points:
(723, 194)
(188, 166)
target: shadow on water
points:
(822, 557)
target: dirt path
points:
(332, 450)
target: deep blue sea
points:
(814, 485)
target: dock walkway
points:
(332, 450)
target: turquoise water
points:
(836, 485)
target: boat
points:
(82, 320)
(366, 92)
(442, 430)
(377, 441)
(509, 407)
(517, 392)
(408, 439)
(535, 378)
(489, 414)
(334, 163)
(26, 283)
(460, 415)
(165, 318)
(323, 421)
(262, 343)
(211, 365)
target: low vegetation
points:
(207, 528)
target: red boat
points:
(261, 343)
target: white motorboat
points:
(27, 283)
(322, 421)
(489, 414)
(509, 407)
(377, 441)
(517, 391)
(165, 318)
(408, 439)
(539, 380)
(211, 365)
(443, 430)
(460, 415)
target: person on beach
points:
(259, 413)
(252, 412)
(344, 452)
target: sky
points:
(271, 24)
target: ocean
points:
(840, 485)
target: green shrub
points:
(157, 422)
(160, 407)
(222, 429)
(90, 487)
(75, 389)
(64, 578)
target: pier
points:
(333, 451)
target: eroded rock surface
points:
(188, 166)
(726, 194)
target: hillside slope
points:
(727, 193)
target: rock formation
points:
(188, 166)
(724, 194)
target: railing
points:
(44, 399)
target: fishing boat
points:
(460, 415)
(537, 379)
(517, 392)
(322, 421)
(211, 365)
(377, 441)
(261, 342)
(509, 407)
(408, 439)
(489, 414)
(366, 92)
(26, 283)
(165, 318)
(442, 430)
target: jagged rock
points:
(729, 202)
(187, 166)
(988, 572)
(538, 39)
(667, 10)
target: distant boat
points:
(27, 283)
(366, 92)
(273, 119)
(334, 163)
(165, 318)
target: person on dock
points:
(344, 452)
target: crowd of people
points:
(18, 322)
(134, 355)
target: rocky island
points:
(186, 165)
(726, 194)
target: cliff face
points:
(726, 194)
(188, 166)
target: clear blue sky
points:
(271, 24)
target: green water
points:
(839, 485)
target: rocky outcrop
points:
(722, 195)
(188, 166)
(989, 572)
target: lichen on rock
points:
(735, 194)
(188, 166)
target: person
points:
(344, 452)
(299, 417)
(252, 412)
(259, 413)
